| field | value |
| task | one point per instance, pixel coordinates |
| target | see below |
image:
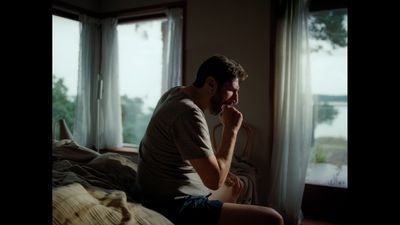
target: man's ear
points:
(211, 85)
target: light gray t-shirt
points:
(177, 132)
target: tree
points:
(134, 120)
(329, 26)
(62, 107)
(326, 113)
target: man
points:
(177, 165)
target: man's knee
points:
(278, 218)
(274, 216)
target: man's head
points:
(221, 76)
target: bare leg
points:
(239, 214)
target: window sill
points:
(127, 150)
(325, 203)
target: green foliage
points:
(319, 155)
(134, 120)
(329, 26)
(62, 106)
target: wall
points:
(239, 29)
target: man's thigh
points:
(236, 214)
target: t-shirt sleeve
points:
(191, 135)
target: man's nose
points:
(235, 98)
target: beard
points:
(216, 105)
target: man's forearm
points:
(225, 153)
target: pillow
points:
(70, 150)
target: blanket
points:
(92, 188)
(75, 205)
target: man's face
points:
(227, 95)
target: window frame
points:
(327, 203)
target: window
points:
(148, 63)
(328, 66)
(65, 69)
(140, 48)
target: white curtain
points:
(85, 126)
(98, 122)
(98, 110)
(292, 112)
(172, 68)
(110, 122)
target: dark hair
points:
(221, 68)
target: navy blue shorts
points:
(194, 210)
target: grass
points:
(330, 150)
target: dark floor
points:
(316, 222)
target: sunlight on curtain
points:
(292, 112)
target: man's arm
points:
(214, 169)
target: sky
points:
(65, 51)
(140, 60)
(328, 69)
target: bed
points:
(92, 188)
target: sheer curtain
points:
(172, 72)
(292, 112)
(110, 122)
(98, 120)
(98, 109)
(85, 127)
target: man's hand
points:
(230, 117)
